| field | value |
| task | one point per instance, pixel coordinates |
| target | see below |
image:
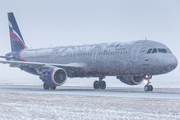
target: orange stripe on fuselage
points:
(84, 71)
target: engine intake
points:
(131, 80)
(54, 76)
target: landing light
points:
(146, 82)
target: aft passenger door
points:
(135, 51)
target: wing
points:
(38, 64)
(39, 67)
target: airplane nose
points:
(172, 63)
(175, 62)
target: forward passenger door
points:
(135, 51)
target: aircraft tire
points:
(96, 85)
(53, 87)
(45, 86)
(150, 88)
(146, 88)
(102, 84)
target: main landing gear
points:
(99, 84)
(148, 87)
(46, 87)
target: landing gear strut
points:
(148, 87)
(46, 87)
(99, 84)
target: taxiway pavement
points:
(164, 93)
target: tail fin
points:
(17, 42)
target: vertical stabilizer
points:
(16, 39)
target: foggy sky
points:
(46, 23)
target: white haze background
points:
(45, 23)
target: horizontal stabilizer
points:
(6, 57)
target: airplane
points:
(130, 62)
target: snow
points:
(25, 99)
(42, 107)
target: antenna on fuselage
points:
(145, 38)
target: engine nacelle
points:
(131, 80)
(54, 76)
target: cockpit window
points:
(162, 50)
(168, 50)
(158, 50)
(149, 51)
(154, 50)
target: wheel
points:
(146, 88)
(102, 84)
(53, 87)
(96, 85)
(150, 88)
(45, 86)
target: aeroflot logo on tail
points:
(15, 35)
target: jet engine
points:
(54, 76)
(131, 80)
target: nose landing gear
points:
(99, 84)
(148, 87)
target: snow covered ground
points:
(26, 103)
(15, 106)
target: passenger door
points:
(94, 55)
(135, 51)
